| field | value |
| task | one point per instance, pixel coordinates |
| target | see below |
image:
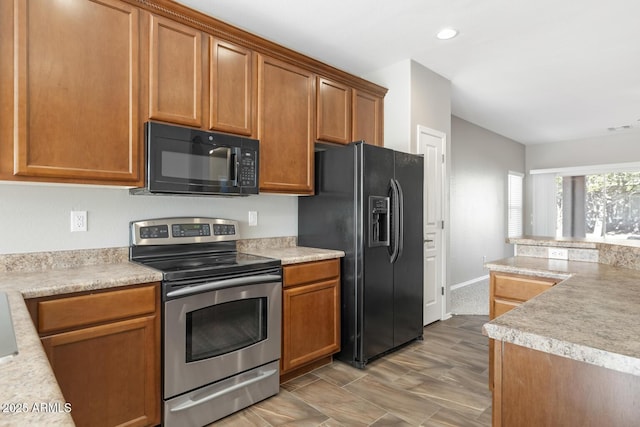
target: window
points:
(605, 204)
(514, 204)
(611, 205)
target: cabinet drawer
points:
(298, 274)
(520, 288)
(83, 310)
(502, 306)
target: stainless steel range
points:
(221, 317)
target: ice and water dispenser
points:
(379, 220)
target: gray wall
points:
(614, 148)
(416, 96)
(430, 102)
(35, 217)
(480, 162)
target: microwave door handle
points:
(235, 163)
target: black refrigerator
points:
(368, 203)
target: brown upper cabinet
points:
(75, 92)
(346, 114)
(82, 76)
(177, 91)
(333, 123)
(232, 79)
(175, 72)
(286, 99)
(367, 117)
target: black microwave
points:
(182, 160)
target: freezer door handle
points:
(395, 210)
(400, 235)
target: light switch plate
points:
(253, 218)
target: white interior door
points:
(431, 144)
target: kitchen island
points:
(571, 355)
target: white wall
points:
(397, 104)
(35, 217)
(416, 96)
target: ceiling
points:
(534, 71)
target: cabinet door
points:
(311, 317)
(175, 72)
(506, 292)
(76, 91)
(334, 112)
(109, 373)
(232, 80)
(286, 99)
(367, 118)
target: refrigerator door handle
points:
(400, 213)
(396, 222)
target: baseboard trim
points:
(468, 282)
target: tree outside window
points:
(612, 205)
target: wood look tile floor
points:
(440, 381)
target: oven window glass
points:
(224, 328)
(216, 166)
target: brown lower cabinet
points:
(104, 349)
(506, 292)
(533, 388)
(310, 316)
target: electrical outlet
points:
(558, 253)
(253, 218)
(78, 221)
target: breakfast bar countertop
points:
(591, 316)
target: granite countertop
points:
(591, 316)
(27, 379)
(295, 254)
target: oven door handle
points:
(191, 403)
(221, 284)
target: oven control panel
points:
(171, 231)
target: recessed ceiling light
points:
(447, 33)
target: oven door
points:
(230, 328)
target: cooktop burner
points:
(210, 266)
(192, 249)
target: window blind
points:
(514, 205)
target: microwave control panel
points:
(248, 166)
